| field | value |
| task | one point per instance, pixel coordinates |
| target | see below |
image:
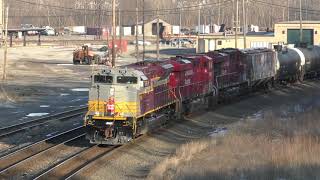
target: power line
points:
(284, 6)
(130, 11)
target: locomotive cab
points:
(113, 99)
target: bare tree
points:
(96, 13)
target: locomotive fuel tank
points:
(292, 61)
(312, 60)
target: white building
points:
(253, 28)
(208, 29)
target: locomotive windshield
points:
(127, 80)
(103, 79)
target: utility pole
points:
(199, 17)
(244, 14)
(288, 10)
(137, 30)
(120, 30)
(4, 75)
(113, 33)
(307, 6)
(237, 17)
(180, 22)
(143, 36)
(158, 33)
(219, 12)
(301, 30)
(85, 15)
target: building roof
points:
(260, 33)
(155, 21)
(147, 21)
(298, 22)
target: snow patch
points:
(76, 100)
(218, 132)
(80, 90)
(45, 106)
(65, 64)
(64, 94)
(37, 114)
(52, 134)
(23, 118)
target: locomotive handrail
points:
(90, 109)
(130, 110)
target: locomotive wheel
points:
(269, 86)
(76, 61)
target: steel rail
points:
(17, 157)
(6, 172)
(79, 162)
(13, 129)
(72, 164)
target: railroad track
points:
(74, 164)
(80, 162)
(14, 163)
(28, 163)
(10, 130)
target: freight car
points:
(127, 101)
(296, 64)
(242, 71)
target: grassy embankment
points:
(269, 148)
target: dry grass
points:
(266, 149)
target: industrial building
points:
(289, 32)
(284, 33)
(150, 28)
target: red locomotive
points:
(150, 93)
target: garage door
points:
(294, 36)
